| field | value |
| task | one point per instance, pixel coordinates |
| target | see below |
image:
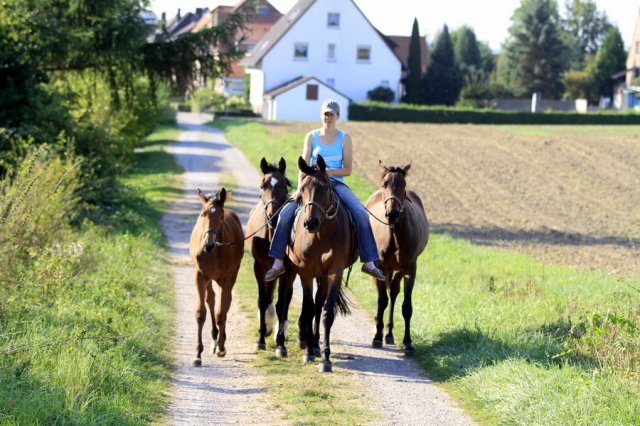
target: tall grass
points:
(516, 341)
(85, 308)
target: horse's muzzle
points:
(392, 216)
(209, 247)
(312, 225)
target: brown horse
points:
(322, 250)
(400, 239)
(262, 222)
(215, 261)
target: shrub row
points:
(374, 111)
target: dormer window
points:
(333, 20)
(263, 10)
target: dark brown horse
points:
(262, 222)
(400, 239)
(322, 250)
(215, 261)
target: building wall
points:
(292, 105)
(256, 89)
(353, 78)
(633, 60)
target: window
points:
(331, 52)
(333, 20)
(384, 83)
(263, 10)
(301, 51)
(312, 92)
(331, 82)
(364, 54)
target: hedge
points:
(373, 111)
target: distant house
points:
(626, 92)
(181, 24)
(328, 43)
(257, 25)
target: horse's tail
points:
(343, 303)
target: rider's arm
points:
(306, 153)
(347, 158)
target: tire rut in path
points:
(227, 391)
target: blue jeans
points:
(366, 243)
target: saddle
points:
(354, 235)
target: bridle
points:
(330, 212)
(277, 212)
(393, 198)
(215, 232)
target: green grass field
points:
(86, 318)
(514, 340)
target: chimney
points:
(164, 16)
(178, 13)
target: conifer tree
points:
(442, 82)
(414, 77)
(611, 59)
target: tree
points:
(475, 61)
(535, 52)
(586, 28)
(611, 59)
(414, 77)
(442, 82)
(466, 49)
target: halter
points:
(269, 218)
(214, 232)
(393, 198)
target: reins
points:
(219, 244)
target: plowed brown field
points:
(563, 194)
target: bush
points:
(376, 111)
(381, 94)
(205, 98)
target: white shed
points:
(301, 100)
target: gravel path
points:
(227, 391)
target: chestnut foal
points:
(215, 261)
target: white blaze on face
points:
(274, 182)
(213, 210)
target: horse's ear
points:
(264, 166)
(222, 195)
(282, 165)
(321, 164)
(202, 197)
(405, 169)
(304, 167)
(382, 167)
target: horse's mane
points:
(273, 168)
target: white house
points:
(323, 41)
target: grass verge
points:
(515, 340)
(86, 316)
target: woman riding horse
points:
(336, 147)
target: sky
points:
(490, 22)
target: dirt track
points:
(563, 194)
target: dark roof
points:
(621, 74)
(277, 31)
(400, 45)
(294, 83)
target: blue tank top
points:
(332, 154)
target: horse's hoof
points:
(389, 340)
(260, 347)
(316, 352)
(221, 353)
(214, 346)
(376, 343)
(409, 351)
(281, 352)
(325, 367)
(307, 359)
(302, 345)
(197, 362)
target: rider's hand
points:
(296, 196)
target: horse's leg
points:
(307, 317)
(265, 300)
(407, 308)
(383, 301)
(225, 287)
(201, 315)
(285, 292)
(211, 302)
(321, 296)
(328, 315)
(394, 289)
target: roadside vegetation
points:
(514, 340)
(86, 293)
